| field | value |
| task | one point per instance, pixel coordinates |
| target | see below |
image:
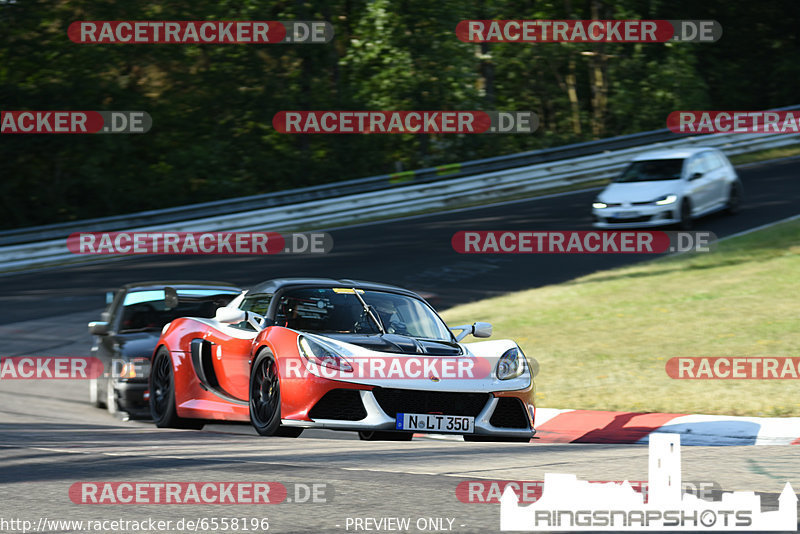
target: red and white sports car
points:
(295, 353)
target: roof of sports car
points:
(270, 286)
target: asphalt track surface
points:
(51, 438)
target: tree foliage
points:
(212, 105)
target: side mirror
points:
(476, 329)
(228, 315)
(695, 176)
(482, 330)
(98, 328)
(170, 298)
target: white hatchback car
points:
(669, 187)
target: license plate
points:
(423, 422)
(626, 214)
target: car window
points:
(708, 162)
(716, 159)
(146, 310)
(339, 310)
(694, 165)
(652, 170)
(257, 304)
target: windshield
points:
(147, 310)
(341, 311)
(652, 170)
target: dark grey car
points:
(128, 331)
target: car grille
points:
(509, 413)
(344, 404)
(394, 401)
(616, 220)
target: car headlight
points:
(667, 199)
(599, 205)
(511, 364)
(134, 368)
(322, 354)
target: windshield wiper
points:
(368, 309)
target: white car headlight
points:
(667, 199)
(323, 355)
(599, 205)
(511, 364)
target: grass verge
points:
(603, 340)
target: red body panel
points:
(232, 358)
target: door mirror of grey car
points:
(170, 298)
(695, 176)
(98, 328)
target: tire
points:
(265, 398)
(111, 398)
(484, 439)
(686, 215)
(162, 395)
(384, 435)
(94, 394)
(734, 204)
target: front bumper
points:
(377, 418)
(130, 396)
(649, 215)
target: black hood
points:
(395, 343)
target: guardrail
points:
(332, 190)
(439, 194)
(339, 189)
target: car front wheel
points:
(111, 398)
(162, 395)
(685, 215)
(734, 204)
(265, 398)
(95, 399)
